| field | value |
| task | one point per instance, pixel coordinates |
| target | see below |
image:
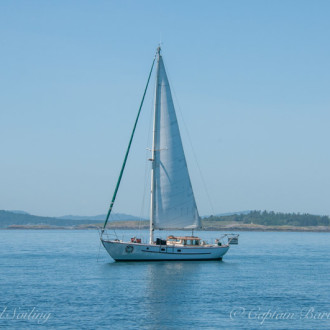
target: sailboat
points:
(173, 204)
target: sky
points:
(250, 81)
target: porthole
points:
(129, 249)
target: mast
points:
(153, 150)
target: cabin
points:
(184, 240)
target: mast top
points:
(158, 50)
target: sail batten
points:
(173, 202)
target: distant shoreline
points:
(243, 221)
(243, 227)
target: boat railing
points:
(114, 237)
(109, 236)
(231, 239)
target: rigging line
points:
(120, 219)
(98, 252)
(127, 151)
(192, 147)
(146, 171)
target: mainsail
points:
(173, 204)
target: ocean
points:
(64, 279)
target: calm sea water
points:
(60, 279)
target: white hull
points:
(127, 251)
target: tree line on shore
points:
(274, 219)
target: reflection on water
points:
(167, 286)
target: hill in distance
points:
(246, 220)
(101, 217)
(21, 218)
